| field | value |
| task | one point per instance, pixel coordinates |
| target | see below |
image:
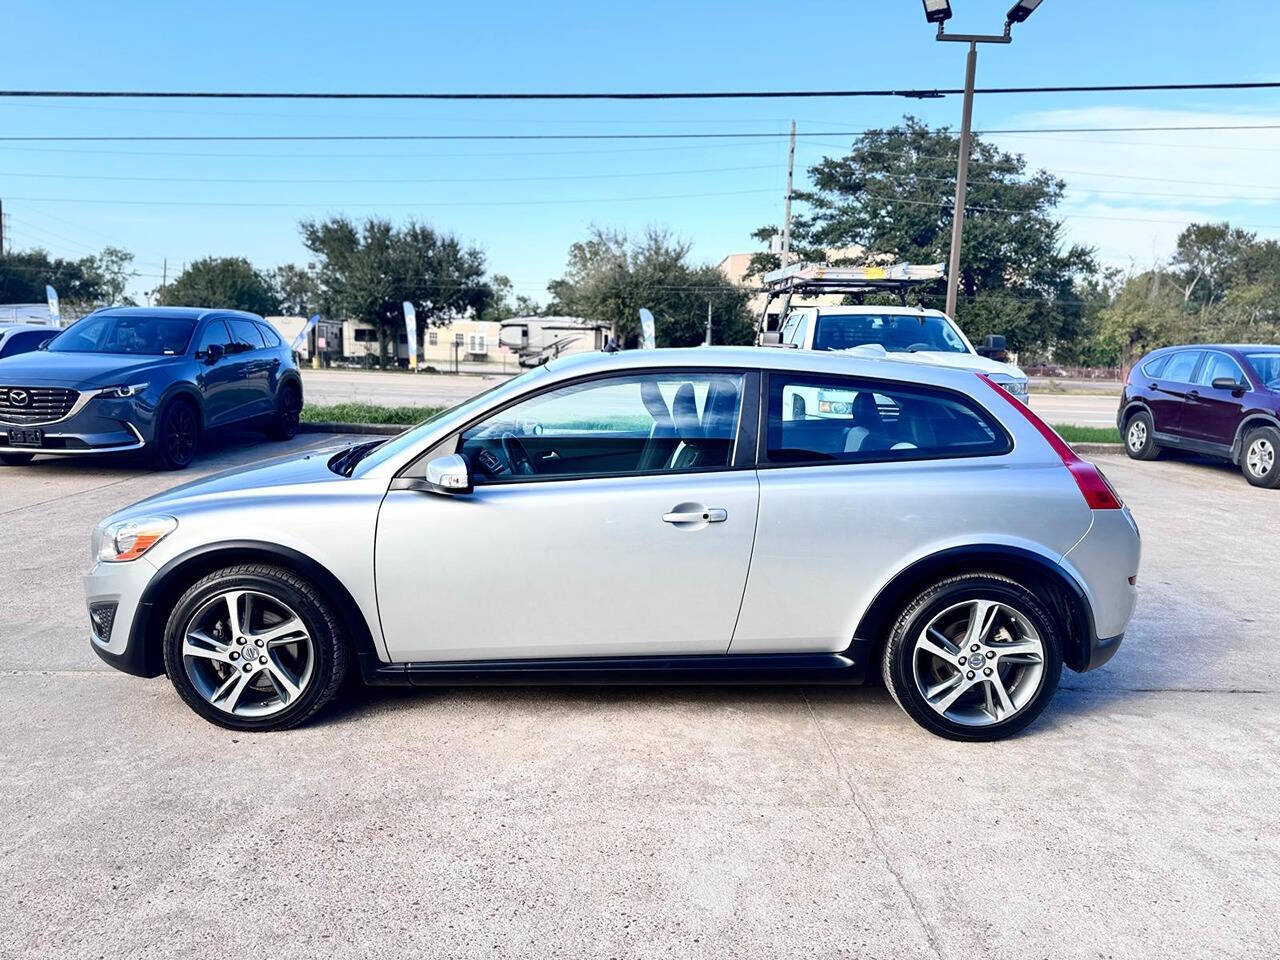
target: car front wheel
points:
(973, 657)
(1261, 460)
(254, 647)
(1139, 437)
(288, 415)
(177, 435)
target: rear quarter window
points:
(819, 419)
(1153, 368)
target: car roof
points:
(832, 362)
(1227, 347)
(173, 313)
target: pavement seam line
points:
(916, 909)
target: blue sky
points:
(524, 203)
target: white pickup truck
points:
(912, 334)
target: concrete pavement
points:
(1136, 819)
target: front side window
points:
(1182, 365)
(1216, 366)
(642, 423)
(816, 419)
(1267, 367)
(896, 332)
(150, 335)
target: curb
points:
(391, 429)
(376, 429)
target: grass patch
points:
(367, 413)
(1087, 434)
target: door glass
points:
(797, 327)
(817, 419)
(214, 334)
(1218, 365)
(246, 333)
(678, 421)
(1182, 365)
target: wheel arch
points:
(1129, 409)
(146, 636)
(1250, 421)
(1054, 585)
(186, 391)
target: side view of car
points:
(668, 516)
(147, 379)
(1219, 400)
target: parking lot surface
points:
(1136, 819)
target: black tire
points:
(285, 421)
(1140, 437)
(16, 459)
(1260, 457)
(900, 651)
(328, 644)
(177, 436)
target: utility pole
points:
(786, 213)
(708, 341)
(962, 181)
(1, 228)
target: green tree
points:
(25, 273)
(229, 283)
(297, 289)
(506, 303)
(367, 270)
(893, 195)
(609, 277)
(114, 266)
(1148, 311)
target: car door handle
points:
(706, 515)
(1194, 393)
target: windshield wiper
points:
(344, 462)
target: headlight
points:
(129, 539)
(1019, 388)
(122, 391)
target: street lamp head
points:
(1021, 10)
(937, 11)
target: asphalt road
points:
(1136, 819)
(429, 389)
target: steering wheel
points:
(518, 459)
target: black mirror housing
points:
(214, 353)
(1228, 383)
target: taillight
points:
(1097, 493)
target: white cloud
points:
(1131, 193)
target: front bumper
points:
(100, 425)
(122, 584)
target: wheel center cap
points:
(977, 661)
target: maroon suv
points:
(1219, 400)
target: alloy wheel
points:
(180, 433)
(247, 653)
(979, 662)
(1261, 457)
(1137, 435)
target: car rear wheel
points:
(1139, 437)
(177, 435)
(288, 414)
(16, 459)
(1261, 459)
(254, 647)
(974, 657)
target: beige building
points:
(464, 341)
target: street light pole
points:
(962, 181)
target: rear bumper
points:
(1101, 649)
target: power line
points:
(916, 93)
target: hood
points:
(248, 481)
(942, 358)
(78, 370)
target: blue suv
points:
(153, 378)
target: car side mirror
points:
(1228, 383)
(449, 474)
(44, 344)
(994, 347)
(214, 353)
(770, 338)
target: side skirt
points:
(1193, 446)
(809, 668)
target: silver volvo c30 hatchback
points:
(675, 516)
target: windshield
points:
(413, 437)
(897, 333)
(159, 336)
(1267, 366)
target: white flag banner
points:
(411, 328)
(55, 312)
(648, 338)
(300, 340)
